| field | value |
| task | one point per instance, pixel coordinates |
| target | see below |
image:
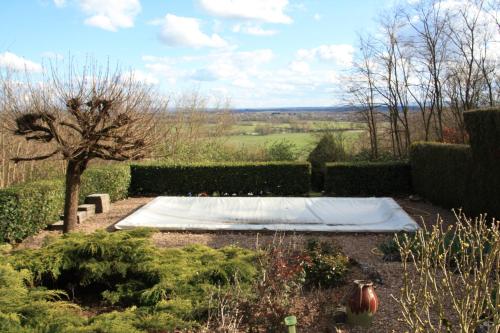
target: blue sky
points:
(257, 53)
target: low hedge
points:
(277, 178)
(114, 180)
(441, 172)
(368, 178)
(27, 208)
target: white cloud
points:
(300, 67)
(317, 17)
(255, 30)
(14, 62)
(185, 31)
(271, 11)
(60, 3)
(141, 76)
(341, 54)
(108, 15)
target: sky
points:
(256, 53)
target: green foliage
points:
(368, 178)
(27, 208)
(279, 178)
(114, 180)
(24, 308)
(160, 289)
(283, 150)
(330, 148)
(441, 172)
(484, 187)
(483, 127)
(327, 266)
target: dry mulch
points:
(361, 247)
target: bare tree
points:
(363, 91)
(430, 25)
(95, 113)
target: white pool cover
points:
(271, 213)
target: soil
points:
(361, 247)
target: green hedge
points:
(441, 172)
(483, 127)
(114, 180)
(278, 178)
(27, 208)
(368, 178)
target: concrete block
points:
(101, 202)
(55, 226)
(80, 216)
(88, 208)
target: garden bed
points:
(361, 247)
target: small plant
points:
(326, 266)
(278, 285)
(451, 277)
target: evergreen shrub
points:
(368, 178)
(277, 178)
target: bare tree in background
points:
(95, 113)
(363, 91)
(430, 24)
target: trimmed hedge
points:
(483, 127)
(441, 172)
(114, 180)
(368, 178)
(27, 208)
(278, 178)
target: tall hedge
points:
(27, 208)
(483, 127)
(441, 172)
(368, 178)
(113, 179)
(277, 178)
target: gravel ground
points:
(361, 247)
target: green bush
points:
(279, 178)
(442, 172)
(368, 178)
(330, 148)
(114, 180)
(484, 189)
(26, 209)
(327, 266)
(152, 289)
(283, 150)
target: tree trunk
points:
(74, 170)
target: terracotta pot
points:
(362, 303)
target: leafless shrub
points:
(451, 277)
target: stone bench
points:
(101, 202)
(87, 208)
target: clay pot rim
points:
(363, 283)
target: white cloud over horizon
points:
(109, 15)
(14, 62)
(340, 54)
(270, 11)
(186, 31)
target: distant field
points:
(304, 141)
(248, 127)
